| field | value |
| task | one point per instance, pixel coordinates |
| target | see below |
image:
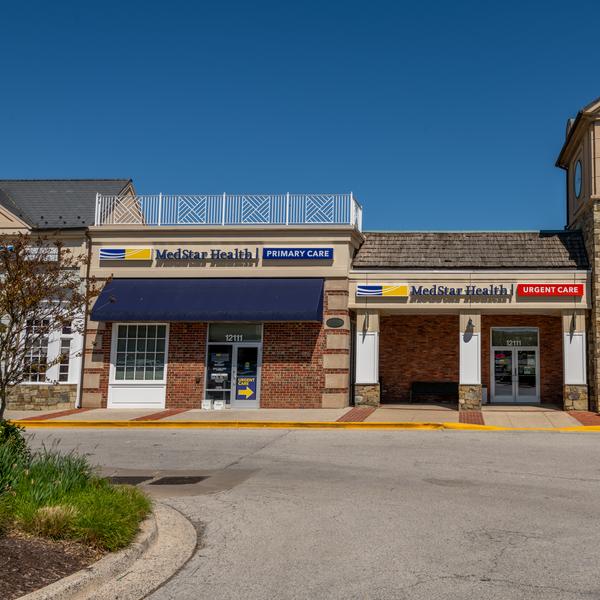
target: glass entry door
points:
(515, 375)
(233, 363)
(527, 370)
(503, 375)
(246, 377)
(233, 374)
(219, 365)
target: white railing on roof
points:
(229, 209)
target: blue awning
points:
(210, 300)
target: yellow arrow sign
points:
(247, 392)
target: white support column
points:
(367, 358)
(575, 392)
(469, 344)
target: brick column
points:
(96, 364)
(367, 390)
(336, 353)
(575, 389)
(469, 384)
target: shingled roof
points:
(56, 203)
(472, 250)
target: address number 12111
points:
(234, 337)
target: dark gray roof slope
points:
(472, 250)
(56, 203)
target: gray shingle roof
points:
(56, 203)
(472, 250)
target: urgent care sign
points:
(546, 289)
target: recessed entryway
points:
(515, 365)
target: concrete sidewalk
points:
(534, 417)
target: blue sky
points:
(437, 115)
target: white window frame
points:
(54, 350)
(71, 337)
(113, 358)
(50, 354)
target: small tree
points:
(42, 289)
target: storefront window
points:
(140, 352)
(235, 332)
(514, 337)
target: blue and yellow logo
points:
(125, 253)
(382, 290)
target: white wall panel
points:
(470, 359)
(136, 396)
(574, 357)
(367, 357)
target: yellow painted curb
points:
(45, 424)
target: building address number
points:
(234, 337)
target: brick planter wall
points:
(550, 350)
(416, 348)
(292, 366)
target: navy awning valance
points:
(210, 300)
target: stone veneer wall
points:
(589, 223)
(367, 394)
(469, 397)
(550, 349)
(575, 397)
(43, 396)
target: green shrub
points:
(13, 463)
(11, 434)
(58, 496)
(53, 521)
(108, 515)
(51, 475)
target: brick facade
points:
(186, 365)
(292, 366)
(416, 348)
(425, 348)
(550, 349)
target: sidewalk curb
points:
(164, 544)
(286, 425)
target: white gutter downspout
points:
(78, 400)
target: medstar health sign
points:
(215, 254)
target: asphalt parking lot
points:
(374, 514)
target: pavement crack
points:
(237, 461)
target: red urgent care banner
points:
(553, 289)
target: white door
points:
(138, 365)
